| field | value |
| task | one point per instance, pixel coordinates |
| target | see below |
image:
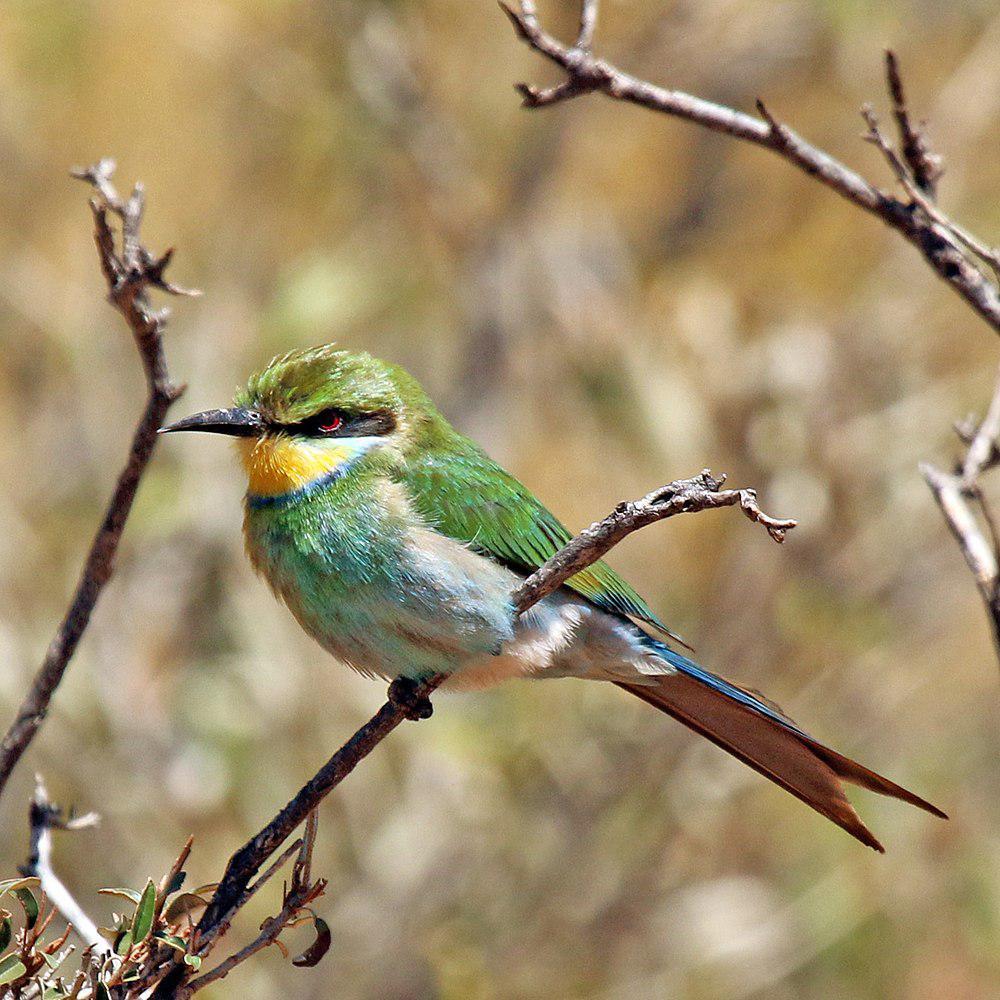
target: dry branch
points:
(951, 256)
(43, 818)
(925, 165)
(300, 893)
(969, 516)
(955, 254)
(702, 492)
(129, 272)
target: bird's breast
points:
(374, 585)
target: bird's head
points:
(311, 413)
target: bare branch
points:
(44, 817)
(702, 492)
(944, 246)
(951, 250)
(129, 274)
(980, 555)
(966, 510)
(300, 893)
(984, 445)
(588, 24)
(925, 166)
(989, 255)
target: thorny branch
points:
(955, 254)
(129, 272)
(702, 492)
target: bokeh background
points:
(606, 299)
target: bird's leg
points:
(403, 694)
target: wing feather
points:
(467, 496)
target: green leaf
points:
(176, 882)
(11, 968)
(194, 961)
(53, 993)
(123, 943)
(142, 923)
(102, 992)
(29, 904)
(175, 942)
(6, 930)
(313, 955)
(130, 894)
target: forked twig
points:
(129, 272)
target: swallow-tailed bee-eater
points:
(396, 542)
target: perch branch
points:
(955, 254)
(949, 250)
(130, 272)
(702, 492)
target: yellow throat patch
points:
(277, 464)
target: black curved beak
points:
(236, 422)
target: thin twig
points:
(925, 166)
(299, 894)
(44, 817)
(166, 883)
(983, 448)
(129, 274)
(270, 931)
(702, 492)
(588, 25)
(966, 510)
(942, 244)
(989, 255)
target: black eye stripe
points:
(369, 424)
(375, 424)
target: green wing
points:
(467, 496)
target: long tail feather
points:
(760, 735)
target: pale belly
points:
(435, 606)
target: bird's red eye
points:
(330, 422)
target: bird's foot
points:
(403, 694)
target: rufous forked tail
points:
(758, 734)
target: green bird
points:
(396, 542)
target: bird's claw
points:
(403, 694)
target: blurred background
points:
(607, 300)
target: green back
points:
(468, 497)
